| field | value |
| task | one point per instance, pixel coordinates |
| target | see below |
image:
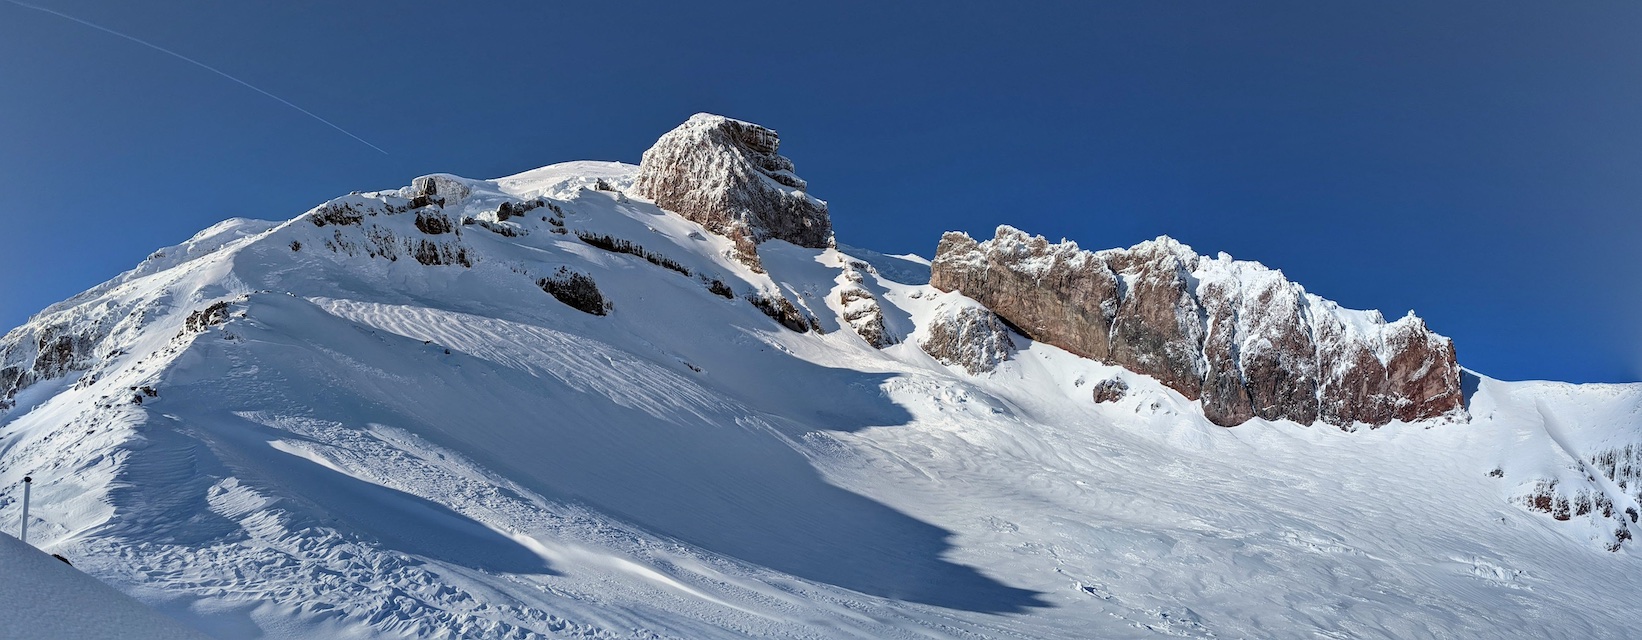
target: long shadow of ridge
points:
(715, 475)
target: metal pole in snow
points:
(24, 534)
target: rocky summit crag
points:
(726, 175)
(1239, 336)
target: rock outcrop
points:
(576, 289)
(726, 175)
(1109, 390)
(861, 311)
(1237, 335)
(865, 317)
(439, 188)
(965, 334)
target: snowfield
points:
(47, 599)
(374, 420)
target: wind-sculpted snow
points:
(372, 421)
(46, 599)
(1241, 337)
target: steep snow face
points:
(1240, 336)
(726, 175)
(1575, 457)
(405, 414)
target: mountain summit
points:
(599, 400)
(726, 175)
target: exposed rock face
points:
(1109, 390)
(433, 223)
(577, 290)
(1043, 286)
(1225, 398)
(202, 319)
(1421, 373)
(54, 345)
(966, 334)
(1240, 337)
(445, 189)
(1156, 330)
(865, 317)
(861, 310)
(726, 175)
(782, 310)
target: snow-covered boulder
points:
(443, 188)
(963, 333)
(1109, 390)
(1239, 336)
(726, 175)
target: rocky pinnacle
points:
(726, 175)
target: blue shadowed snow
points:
(716, 474)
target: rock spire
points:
(726, 175)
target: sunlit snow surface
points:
(378, 448)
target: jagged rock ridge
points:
(726, 175)
(1237, 335)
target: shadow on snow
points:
(718, 474)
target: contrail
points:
(199, 64)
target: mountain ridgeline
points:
(604, 400)
(1236, 335)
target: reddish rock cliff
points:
(1237, 335)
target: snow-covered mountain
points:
(545, 406)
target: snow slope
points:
(301, 429)
(46, 599)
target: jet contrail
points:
(199, 64)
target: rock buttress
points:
(1238, 336)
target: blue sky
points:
(1477, 162)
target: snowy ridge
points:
(405, 414)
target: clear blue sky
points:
(1478, 162)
